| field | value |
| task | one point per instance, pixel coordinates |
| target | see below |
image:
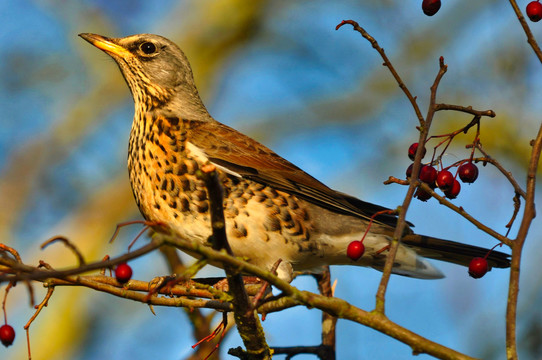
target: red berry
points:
(478, 267)
(430, 7)
(445, 180)
(428, 174)
(7, 335)
(454, 191)
(123, 273)
(412, 151)
(422, 195)
(468, 172)
(534, 11)
(355, 250)
(409, 171)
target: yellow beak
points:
(105, 44)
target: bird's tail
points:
(453, 252)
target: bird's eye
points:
(148, 48)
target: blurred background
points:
(279, 72)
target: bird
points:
(275, 213)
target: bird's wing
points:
(241, 155)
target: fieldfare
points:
(273, 209)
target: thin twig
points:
(458, 209)
(26, 272)
(39, 307)
(69, 245)
(465, 109)
(388, 64)
(530, 38)
(12, 251)
(401, 221)
(507, 174)
(8, 288)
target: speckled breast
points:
(163, 164)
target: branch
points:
(507, 174)
(458, 209)
(138, 291)
(465, 109)
(529, 214)
(401, 221)
(322, 351)
(248, 323)
(27, 272)
(530, 38)
(334, 306)
(329, 322)
(388, 64)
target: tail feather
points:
(453, 252)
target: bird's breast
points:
(262, 223)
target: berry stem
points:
(10, 285)
(490, 250)
(382, 212)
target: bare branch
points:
(388, 64)
(466, 215)
(465, 109)
(68, 244)
(248, 323)
(26, 272)
(401, 221)
(530, 38)
(334, 306)
(529, 213)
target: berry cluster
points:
(443, 179)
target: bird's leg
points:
(260, 294)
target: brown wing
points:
(240, 154)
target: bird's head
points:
(156, 70)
